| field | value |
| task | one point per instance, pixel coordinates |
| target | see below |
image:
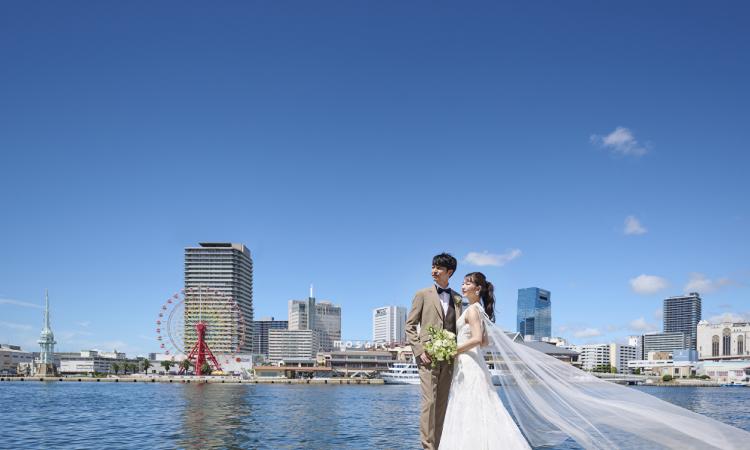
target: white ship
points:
(401, 373)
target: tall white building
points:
(620, 355)
(388, 325)
(726, 340)
(226, 269)
(607, 355)
(326, 320)
(292, 344)
(592, 355)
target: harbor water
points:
(58, 415)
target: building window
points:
(740, 345)
(715, 346)
(726, 349)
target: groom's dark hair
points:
(445, 260)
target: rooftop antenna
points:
(311, 291)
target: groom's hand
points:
(425, 358)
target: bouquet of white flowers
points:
(441, 346)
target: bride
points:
(475, 417)
(553, 401)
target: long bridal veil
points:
(553, 400)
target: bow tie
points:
(441, 290)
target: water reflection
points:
(213, 416)
(201, 416)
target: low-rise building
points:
(401, 353)
(285, 344)
(592, 356)
(88, 362)
(559, 352)
(11, 356)
(665, 342)
(661, 367)
(603, 357)
(726, 371)
(236, 364)
(723, 341)
(356, 363)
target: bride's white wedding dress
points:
(476, 418)
(554, 402)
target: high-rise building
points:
(326, 319)
(260, 333)
(534, 313)
(681, 315)
(389, 325)
(227, 269)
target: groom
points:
(437, 306)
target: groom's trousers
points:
(435, 384)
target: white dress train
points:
(476, 418)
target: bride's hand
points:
(425, 358)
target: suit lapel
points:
(435, 299)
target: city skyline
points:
(552, 145)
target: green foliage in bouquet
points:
(441, 346)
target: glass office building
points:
(534, 316)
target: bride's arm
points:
(475, 324)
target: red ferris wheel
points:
(205, 325)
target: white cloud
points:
(491, 259)
(8, 301)
(587, 332)
(640, 324)
(84, 324)
(699, 283)
(730, 317)
(648, 284)
(16, 326)
(620, 142)
(72, 336)
(633, 226)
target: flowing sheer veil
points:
(553, 400)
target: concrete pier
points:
(198, 380)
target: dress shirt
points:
(445, 297)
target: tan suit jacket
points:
(435, 383)
(426, 310)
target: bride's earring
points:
(477, 293)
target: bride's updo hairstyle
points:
(486, 292)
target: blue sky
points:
(595, 150)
